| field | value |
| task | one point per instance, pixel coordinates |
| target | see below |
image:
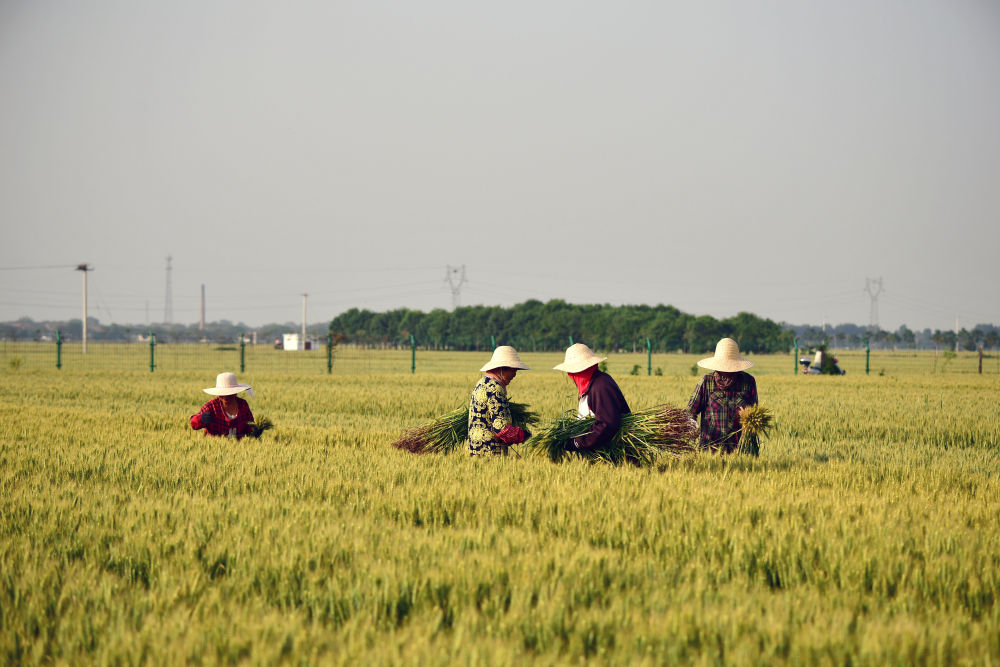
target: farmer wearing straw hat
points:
(719, 397)
(227, 414)
(490, 428)
(600, 397)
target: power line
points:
(32, 268)
(101, 303)
(327, 269)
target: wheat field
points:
(866, 533)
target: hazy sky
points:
(718, 156)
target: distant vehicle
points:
(819, 365)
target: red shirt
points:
(222, 424)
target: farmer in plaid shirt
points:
(720, 395)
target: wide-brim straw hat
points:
(579, 357)
(727, 358)
(226, 385)
(505, 357)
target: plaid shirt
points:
(221, 424)
(720, 410)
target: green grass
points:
(868, 531)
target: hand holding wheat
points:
(755, 422)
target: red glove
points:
(511, 435)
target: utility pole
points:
(874, 287)
(168, 301)
(455, 277)
(201, 322)
(304, 295)
(84, 268)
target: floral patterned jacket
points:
(490, 427)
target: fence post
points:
(571, 341)
(868, 354)
(649, 357)
(796, 359)
(980, 359)
(329, 353)
(152, 351)
(59, 350)
(243, 352)
(413, 354)
(493, 341)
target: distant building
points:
(293, 341)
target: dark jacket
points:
(606, 401)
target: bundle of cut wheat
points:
(755, 422)
(641, 438)
(445, 433)
(259, 425)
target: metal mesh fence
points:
(213, 358)
(169, 357)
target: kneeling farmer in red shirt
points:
(228, 414)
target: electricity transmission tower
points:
(168, 301)
(455, 277)
(874, 287)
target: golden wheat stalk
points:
(755, 422)
(259, 425)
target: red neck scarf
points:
(582, 379)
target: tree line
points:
(551, 326)
(855, 336)
(530, 325)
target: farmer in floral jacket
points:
(490, 427)
(719, 397)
